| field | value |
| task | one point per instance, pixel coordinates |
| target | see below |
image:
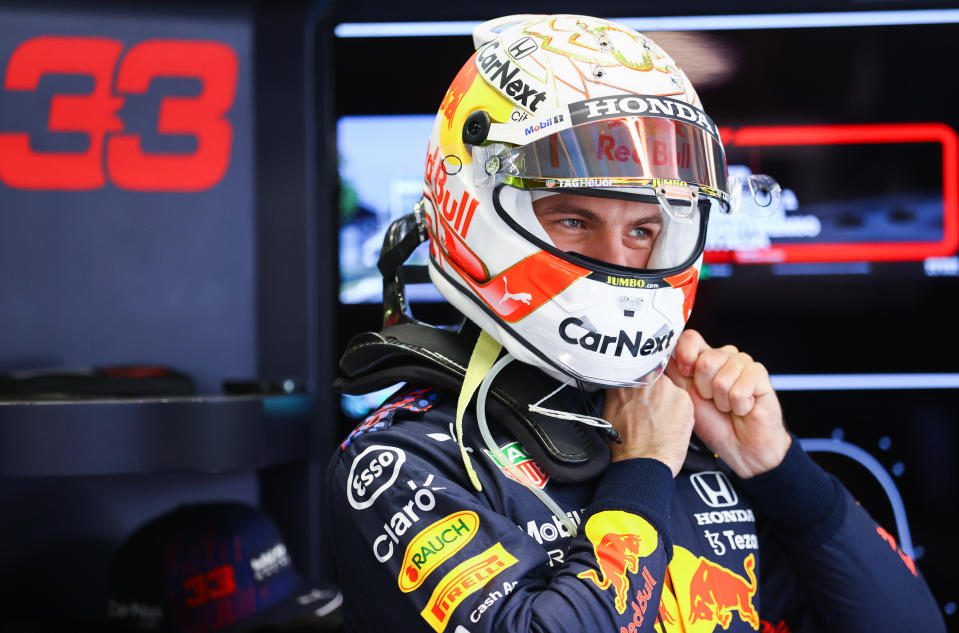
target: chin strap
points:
(589, 420)
(484, 355)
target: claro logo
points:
(373, 471)
(573, 331)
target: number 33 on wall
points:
(95, 114)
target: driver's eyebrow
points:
(567, 208)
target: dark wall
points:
(220, 282)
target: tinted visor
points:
(623, 152)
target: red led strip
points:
(851, 134)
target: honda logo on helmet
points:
(522, 48)
(594, 341)
(631, 105)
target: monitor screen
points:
(852, 273)
(852, 194)
(378, 185)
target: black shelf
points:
(153, 435)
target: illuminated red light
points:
(856, 134)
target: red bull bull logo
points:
(457, 90)
(620, 540)
(705, 594)
(769, 627)
(715, 592)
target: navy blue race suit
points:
(418, 549)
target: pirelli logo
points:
(466, 578)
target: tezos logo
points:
(373, 471)
(502, 73)
(603, 343)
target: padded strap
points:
(481, 360)
(568, 451)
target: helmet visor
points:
(623, 152)
(623, 230)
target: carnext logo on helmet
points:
(628, 105)
(600, 343)
(542, 125)
(500, 72)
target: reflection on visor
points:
(622, 152)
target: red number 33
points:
(94, 114)
(214, 584)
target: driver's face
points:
(615, 231)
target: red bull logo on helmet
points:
(620, 539)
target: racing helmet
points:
(551, 110)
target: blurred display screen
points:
(851, 193)
(376, 188)
(864, 146)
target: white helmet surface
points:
(557, 124)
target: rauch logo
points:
(435, 544)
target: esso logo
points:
(372, 472)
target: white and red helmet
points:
(578, 105)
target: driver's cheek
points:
(638, 257)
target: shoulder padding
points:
(420, 353)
